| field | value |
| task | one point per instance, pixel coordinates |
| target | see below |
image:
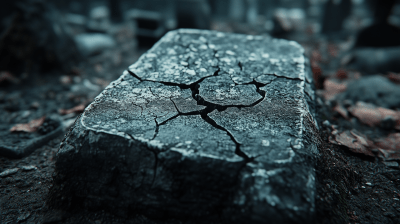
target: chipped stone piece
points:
(206, 126)
(8, 172)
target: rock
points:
(8, 172)
(374, 60)
(374, 89)
(99, 19)
(205, 126)
(35, 38)
(93, 43)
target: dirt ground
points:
(351, 187)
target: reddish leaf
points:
(357, 143)
(387, 148)
(394, 77)
(32, 126)
(316, 56)
(77, 109)
(342, 74)
(372, 116)
(333, 50)
(341, 110)
(390, 146)
(317, 75)
(331, 89)
(8, 77)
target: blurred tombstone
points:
(76, 23)
(115, 10)
(381, 33)
(93, 43)
(236, 10)
(78, 7)
(374, 60)
(287, 21)
(99, 19)
(193, 14)
(335, 13)
(34, 38)
(252, 11)
(377, 47)
(219, 8)
(148, 26)
(267, 8)
(394, 19)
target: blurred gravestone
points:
(381, 33)
(193, 14)
(34, 38)
(99, 19)
(335, 12)
(206, 126)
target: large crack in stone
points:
(203, 108)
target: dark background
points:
(56, 56)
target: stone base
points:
(206, 126)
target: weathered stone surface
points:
(205, 126)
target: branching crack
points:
(286, 77)
(155, 152)
(237, 149)
(194, 87)
(157, 129)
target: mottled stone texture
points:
(206, 126)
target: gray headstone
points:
(204, 126)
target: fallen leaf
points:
(101, 82)
(6, 76)
(66, 79)
(8, 172)
(386, 148)
(341, 110)
(389, 146)
(317, 75)
(356, 142)
(333, 50)
(77, 109)
(394, 77)
(372, 115)
(342, 74)
(32, 126)
(331, 89)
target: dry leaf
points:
(386, 148)
(389, 146)
(77, 109)
(341, 110)
(356, 142)
(331, 89)
(6, 76)
(32, 126)
(394, 77)
(373, 116)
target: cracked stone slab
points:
(205, 126)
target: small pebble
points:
(27, 168)
(8, 172)
(326, 123)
